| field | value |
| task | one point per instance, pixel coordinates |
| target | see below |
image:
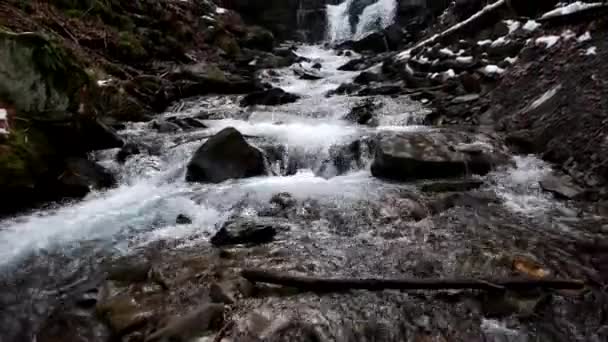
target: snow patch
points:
(592, 51)
(531, 25)
(447, 52)
(449, 74)
(220, 10)
(423, 59)
(584, 37)
(549, 41)
(3, 114)
(484, 42)
(500, 42)
(3, 131)
(545, 97)
(492, 70)
(513, 25)
(464, 59)
(571, 8)
(493, 326)
(407, 53)
(568, 34)
(511, 60)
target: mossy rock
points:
(129, 47)
(37, 75)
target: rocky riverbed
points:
(332, 163)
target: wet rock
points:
(130, 149)
(247, 231)
(165, 127)
(81, 175)
(191, 325)
(305, 74)
(428, 155)
(344, 158)
(317, 66)
(183, 219)
(269, 97)
(382, 89)
(258, 38)
(363, 113)
(452, 186)
(374, 42)
(129, 271)
(223, 293)
(367, 77)
(344, 88)
(187, 123)
(283, 200)
(562, 187)
(354, 65)
(122, 312)
(224, 156)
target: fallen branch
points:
(318, 284)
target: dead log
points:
(577, 17)
(319, 284)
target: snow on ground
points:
(492, 70)
(513, 25)
(549, 41)
(592, 51)
(407, 53)
(3, 114)
(447, 52)
(545, 97)
(571, 8)
(500, 42)
(464, 59)
(584, 37)
(531, 25)
(484, 42)
(220, 10)
(511, 60)
(568, 34)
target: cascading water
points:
(345, 223)
(374, 17)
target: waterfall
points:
(376, 16)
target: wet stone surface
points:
(136, 263)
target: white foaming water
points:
(374, 17)
(339, 28)
(153, 190)
(519, 186)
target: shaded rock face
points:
(429, 155)
(224, 156)
(288, 19)
(43, 85)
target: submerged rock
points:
(247, 231)
(269, 97)
(363, 113)
(429, 155)
(224, 156)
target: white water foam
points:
(374, 17)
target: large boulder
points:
(258, 38)
(224, 156)
(269, 97)
(434, 154)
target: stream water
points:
(346, 224)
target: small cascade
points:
(375, 16)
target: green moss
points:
(23, 158)
(130, 47)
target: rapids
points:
(344, 224)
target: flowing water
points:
(345, 223)
(375, 16)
